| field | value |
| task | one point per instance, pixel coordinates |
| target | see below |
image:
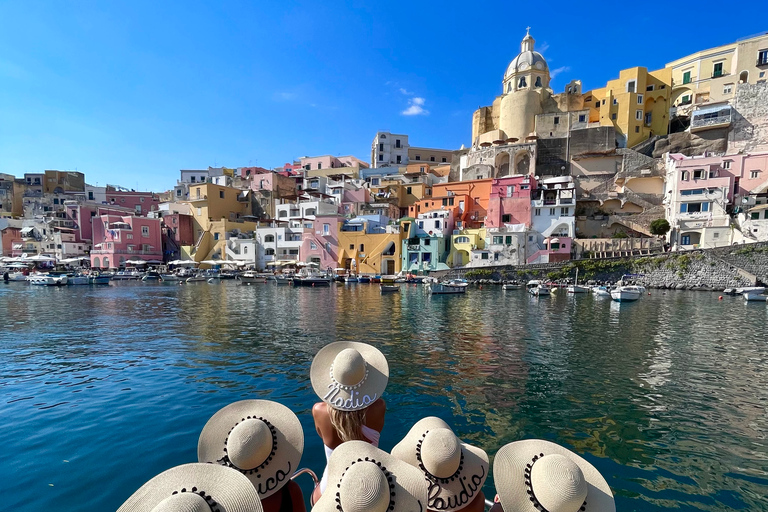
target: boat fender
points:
(720, 297)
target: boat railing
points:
(308, 472)
(488, 504)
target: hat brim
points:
(409, 484)
(285, 458)
(509, 475)
(349, 400)
(228, 487)
(452, 493)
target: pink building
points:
(320, 244)
(310, 163)
(510, 201)
(247, 172)
(119, 238)
(140, 202)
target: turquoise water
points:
(102, 388)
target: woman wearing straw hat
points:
(535, 475)
(349, 378)
(455, 471)
(195, 487)
(264, 441)
(363, 478)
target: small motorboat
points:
(511, 286)
(389, 288)
(350, 279)
(47, 280)
(452, 287)
(252, 277)
(601, 291)
(538, 288)
(754, 294)
(78, 280)
(152, 276)
(575, 288)
(200, 278)
(625, 293)
(99, 279)
(17, 276)
(363, 279)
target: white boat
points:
(17, 276)
(575, 288)
(251, 276)
(200, 278)
(625, 294)
(78, 280)
(537, 288)
(601, 291)
(129, 274)
(754, 294)
(170, 277)
(452, 287)
(46, 280)
(511, 286)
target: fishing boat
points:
(47, 280)
(390, 278)
(575, 288)
(389, 288)
(452, 287)
(375, 279)
(310, 277)
(511, 286)
(252, 277)
(537, 288)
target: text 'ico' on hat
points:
(535, 475)
(363, 478)
(349, 376)
(456, 471)
(260, 438)
(195, 488)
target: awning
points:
(554, 241)
(274, 264)
(26, 230)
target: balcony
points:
(712, 117)
(718, 74)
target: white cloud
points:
(415, 107)
(542, 48)
(557, 71)
(406, 92)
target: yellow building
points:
(403, 195)
(713, 75)
(463, 244)
(371, 253)
(636, 104)
(217, 211)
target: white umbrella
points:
(313, 264)
(302, 264)
(183, 262)
(213, 262)
(154, 262)
(135, 262)
(274, 264)
(40, 257)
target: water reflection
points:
(666, 396)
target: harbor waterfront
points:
(105, 387)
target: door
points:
(685, 240)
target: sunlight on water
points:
(102, 388)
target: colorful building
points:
(140, 202)
(320, 243)
(117, 239)
(370, 245)
(426, 244)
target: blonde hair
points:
(348, 424)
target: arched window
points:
(462, 239)
(685, 176)
(538, 82)
(106, 262)
(744, 77)
(122, 261)
(509, 86)
(521, 84)
(96, 263)
(269, 238)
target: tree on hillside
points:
(660, 227)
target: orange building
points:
(475, 207)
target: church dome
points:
(527, 59)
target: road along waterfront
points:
(102, 388)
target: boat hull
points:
(389, 289)
(625, 295)
(311, 282)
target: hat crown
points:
(349, 367)
(558, 483)
(249, 444)
(183, 502)
(441, 452)
(364, 488)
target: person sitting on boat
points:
(264, 441)
(535, 475)
(365, 479)
(455, 471)
(349, 378)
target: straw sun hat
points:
(349, 376)
(195, 488)
(362, 478)
(456, 471)
(535, 475)
(261, 439)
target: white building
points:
(278, 244)
(310, 205)
(389, 149)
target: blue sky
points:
(130, 92)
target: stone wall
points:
(750, 257)
(749, 126)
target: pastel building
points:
(370, 245)
(117, 239)
(553, 220)
(426, 246)
(140, 202)
(278, 244)
(320, 243)
(306, 206)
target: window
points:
(421, 224)
(444, 160)
(637, 129)
(639, 99)
(215, 236)
(564, 211)
(603, 101)
(319, 165)
(397, 143)
(461, 240)
(692, 192)
(687, 77)
(537, 212)
(551, 211)
(269, 238)
(597, 104)
(521, 84)
(362, 247)
(754, 174)
(686, 99)
(145, 231)
(431, 159)
(631, 86)
(506, 218)
(221, 194)
(55, 201)
(557, 120)
(381, 147)
(727, 88)
(418, 157)
(484, 256)
(727, 164)
(613, 116)
(437, 224)
(694, 207)
(717, 70)
(649, 88)
(399, 158)
(129, 236)
(698, 174)
(615, 101)
(326, 229)
(312, 245)
(142, 199)
(269, 252)
(192, 180)
(582, 118)
(684, 176)
(648, 118)
(407, 190)
(427, 241)
(762, 57)
(638, 115)
(498, 240)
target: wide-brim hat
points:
(349, 376)
(261, 439)
(363, 478)
(456, 471)
(533, 473)
(195, 488)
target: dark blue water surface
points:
(102, 388)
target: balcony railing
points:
(718, 74)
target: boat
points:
(388, 278)
(17, 276)
(511, 286)
(625, 293)
(251, 277)
(375, 279)
(452, 287)
(389, 288)
(152, 276)
(199, 278)
(283, 281)
(575, 288)
(129, 274)
(99, 279)
(754, 294)
(601, 291)
(47, 280)
(78, 279)
(363, 279)
(537, 288)
(350, 279)
(311, 278)
(170, 277)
